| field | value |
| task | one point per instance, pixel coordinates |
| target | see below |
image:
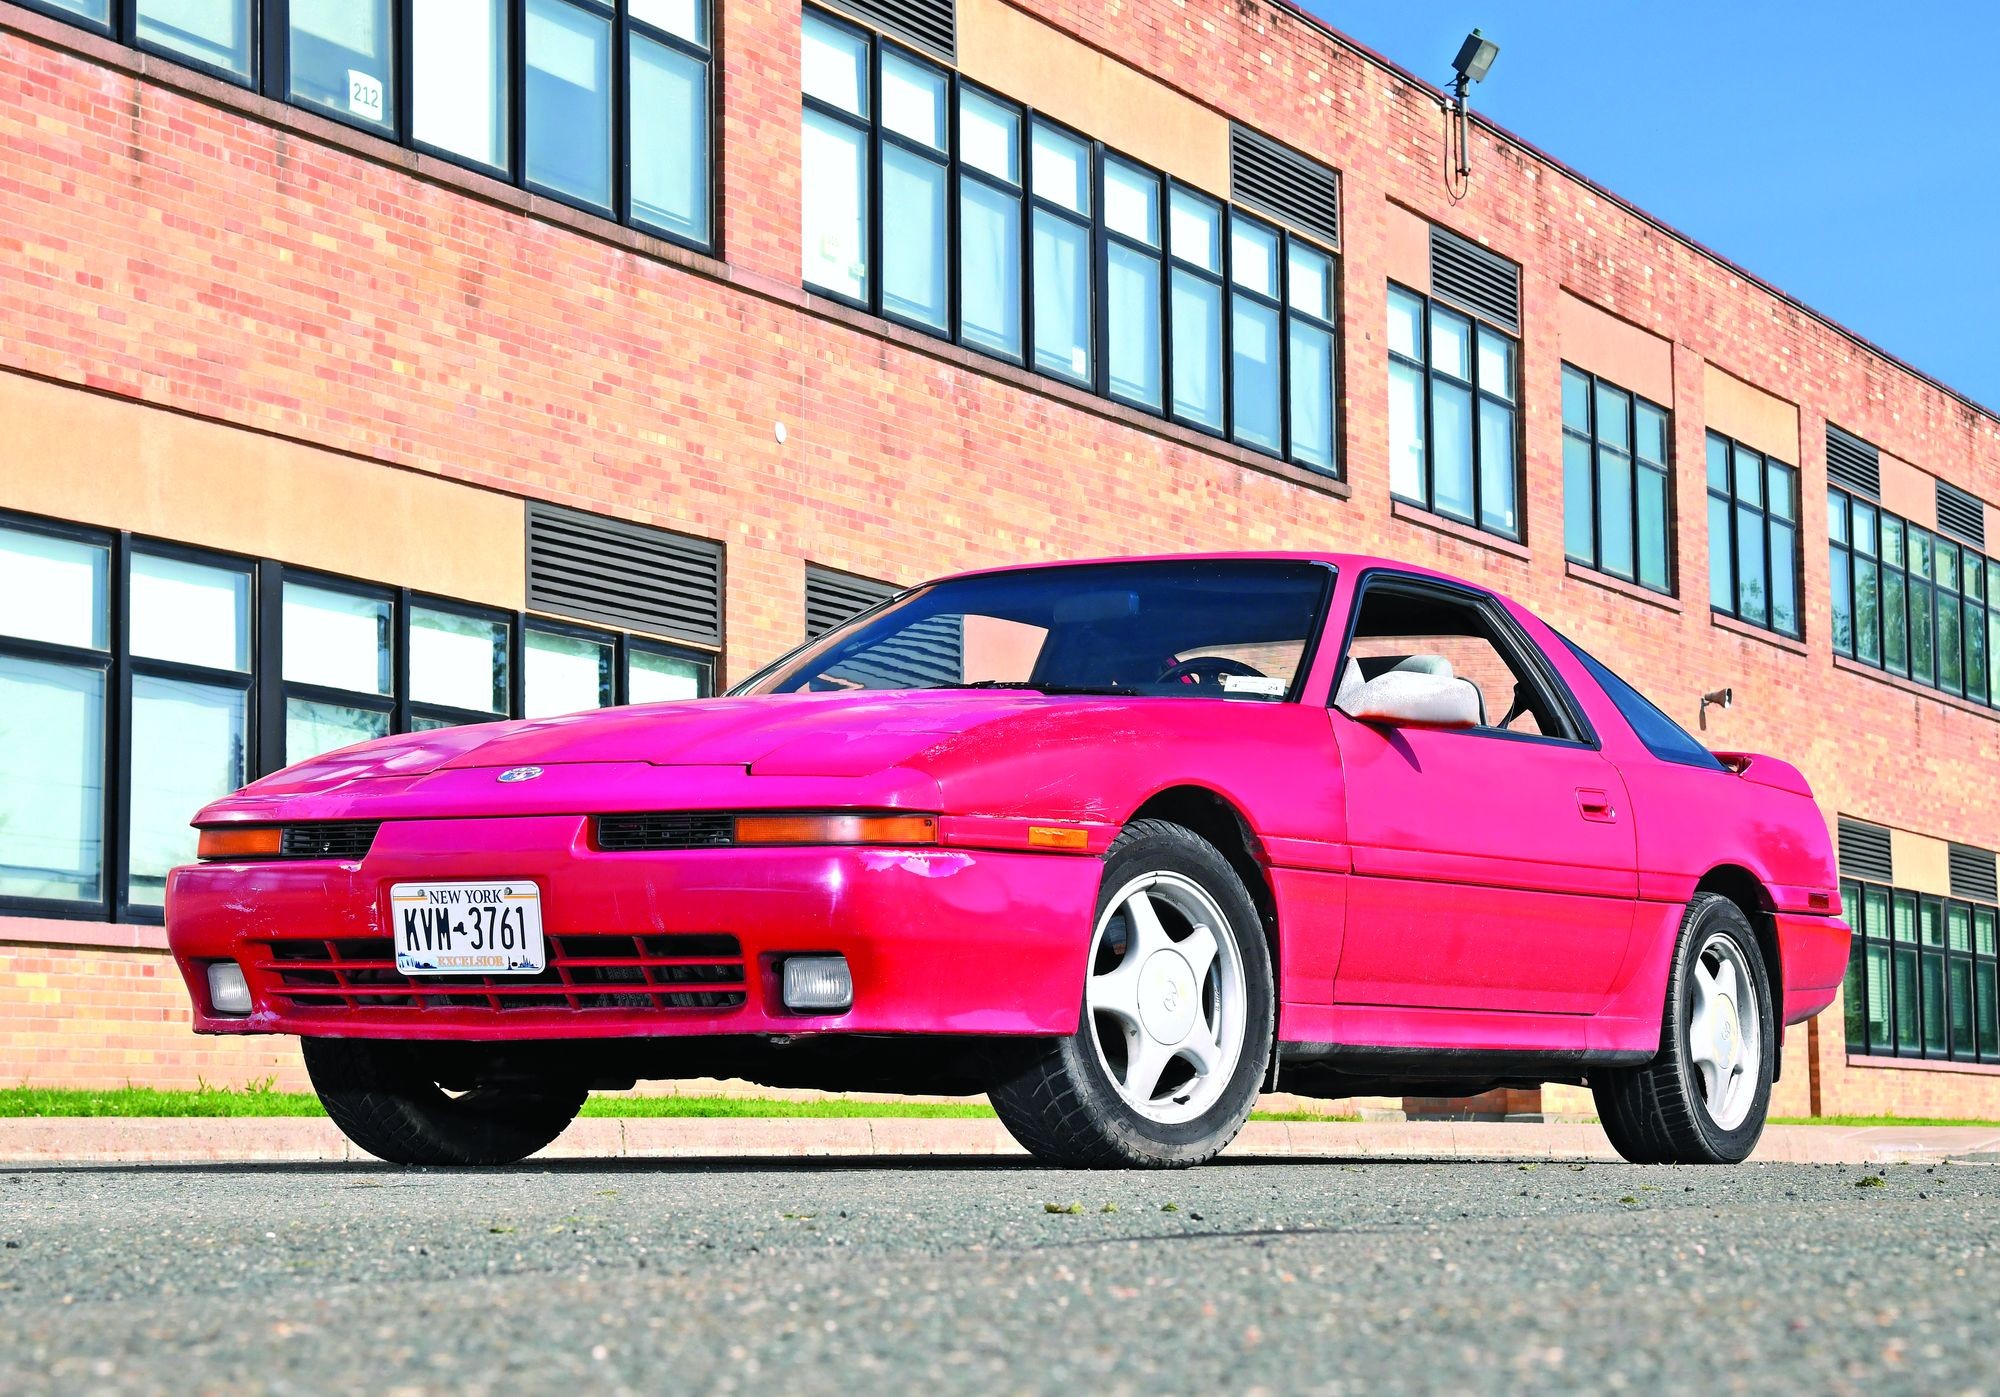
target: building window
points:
(1617, 509)
(603, 104)
(1753, 555)
(1922, 977)
(1452, 427)
(1070, 258)
(140, 680)
(1912, 602)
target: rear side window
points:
(1664, 738)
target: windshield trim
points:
(1293, 694)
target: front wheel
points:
(1174, 1033)
(383, 1099)
(1703, 1099)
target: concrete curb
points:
(124, 1140)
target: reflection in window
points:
(458, 661)
(341, 58)
(337, 640)
(834, 159)
(51, 780)
(1194, 242)
(1452, 424)
(669, 138)
(458, 86)
(989, 217)
(1615, 483)
(568, 101)
(1059, 181)
(914, 178)
(215, 32)
(1752, 536)
(52, 588)
(1912, 602)
(652, 677)
(190, 613)
(313, 727)
(566, 673)
(189, 747)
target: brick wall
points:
(172, 241)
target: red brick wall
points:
(260, 268)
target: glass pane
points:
(1406, 431)
(458, 661)
(458, 88)
(188, 748)
(566, 673)
(1132, 201)
(1778, 482)
(1254, 370)
(1841, 589)
(191, 613)
(1982, 931)
(1892, 540)
(1579, 516)
(1958, 927)
(1718, 463)
(1451, 450)
(1836, 516)
(1975, 654)
(1197, 309)
(341, 58)
(1921, 632)
(1451, 343)
(655, 678)
(53, 589)
(1749, 476)
(1614, 410)
(1496, 364)
(1253, 256)
(1867, 611)
(1920, 552)
(568, 101)
(1877, 902)
(1651, 444)
(215, 32)
(312, 729)
(1930, 923)
(989, 136)
(683, 18)
(833, 66)
(1784, 579)
(1132, 328)
(1194, 230)
(1945, 556)
(1895, 623)
(1062, 296)
(1854, 995)
(1950, 651)
(1406, 314)
(1880, 998)
(913, 97)
(1653, 529)
(1934, 1006)
(98, 11)
(1311, 368)
(1060, 168)
(1496, 468)
(1614, 511)
(834, 203)
(1864, 527)
(1908, 1020)
(51, 780)
(1576, 400)
(1750, 600)
(913, 237)
(989, 268)
(1309, 281)
(1993, 657)
(336, 639)
(1987, 992)
(1721, 588)
(669, 130)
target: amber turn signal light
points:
(1056, 837)
(261, 842)
(836, 829)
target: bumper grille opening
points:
(329, 839)
(664, 832)
(585, 972)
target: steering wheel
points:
(1206, 669)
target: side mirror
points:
(1407, 699)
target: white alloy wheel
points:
(1724, 1034)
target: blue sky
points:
(1843, 152)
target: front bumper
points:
(948, 941)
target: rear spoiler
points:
(1766, 771)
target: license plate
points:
(467, 928)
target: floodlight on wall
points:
(1474, 61)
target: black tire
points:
(383, 1100)
(1658, 1114)
(1058, 1100)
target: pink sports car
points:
(1119, 844)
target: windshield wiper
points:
(1112, 690)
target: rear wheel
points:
(1175, 1030)
(1703, 1099)
(383, 1099)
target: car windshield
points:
(1203, 628)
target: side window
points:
(1664, 738)
(1411, 626)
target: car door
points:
(1494, 866)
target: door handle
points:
(1594, 804)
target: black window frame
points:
(1099, 240)
(1593, 439)
(1736, 504)
(269, 52)
(1920, 957)
(1430, 306)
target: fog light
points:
(818, 984)
(228, 991)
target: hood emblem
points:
(520, 773)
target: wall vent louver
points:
(619, 573)
(1853, 463)
(1483, 282)
(1973, 874)
(929, 24)
(835, 598)
(1864, 851)
(1277, 180)
(928, 654)
(1961, 514)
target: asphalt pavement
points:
(994, 1275)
